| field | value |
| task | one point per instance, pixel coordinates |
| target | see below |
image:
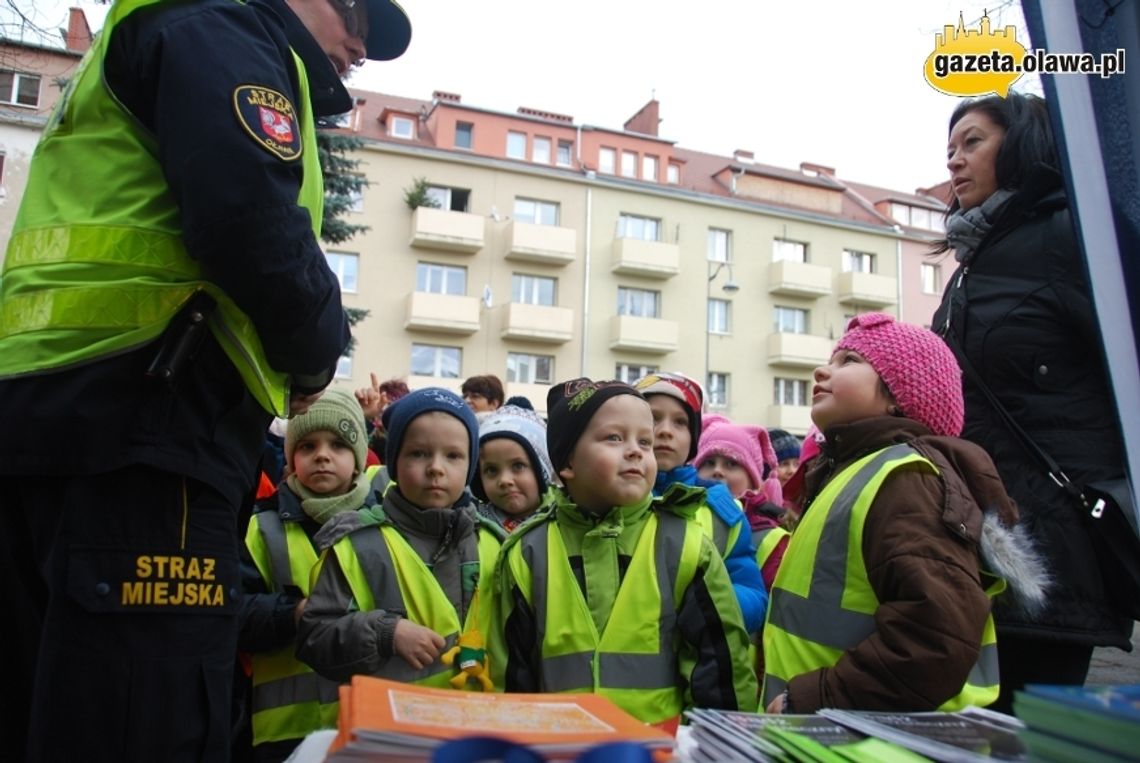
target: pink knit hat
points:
(745, 444)
(917, 367)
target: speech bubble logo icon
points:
(974, 62)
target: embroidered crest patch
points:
(270, 119)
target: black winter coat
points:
(1020, 310)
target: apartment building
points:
(561, 249)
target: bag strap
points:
(1052, 468)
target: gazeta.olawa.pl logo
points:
(983, 61)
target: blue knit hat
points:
(524, 427)
(399, 415)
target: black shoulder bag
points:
(1105, 506)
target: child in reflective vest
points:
(396, 584)
(325, 455)
(883, 598)
(514, 471)
(612, 591)
(676, 402)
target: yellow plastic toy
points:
(472, 656)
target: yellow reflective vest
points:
(289, 699)
(633, 661)
(382, 555)
(822, 602)
(84, 280)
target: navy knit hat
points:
(786, 444)
(399, 414)
(524, 427)
(569, 408)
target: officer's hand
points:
(419, 646)
(298, 404)
(299, 610)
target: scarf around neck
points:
(322, 508)
(965, 230)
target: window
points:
(920, 217)
(402, 127)
(441, 279)
(453, 199)
(641, 303)
(607, 160)
(516, 145)
(565, 153)
(790, 392)
(788, 251)
(533, 290)
(464, 134)
(649, 168)
(644, 228)
(629, 373)
(525, 368)
(343, 265)
(790, 320)
(718, 389)
(628, 164)
(433, 360)
(536, 212)
(931, 278)
(718, 316)
(21, 89)
(673, 173)
(540, 151)
(901, 213)
(356, 200)
(344, 367)
(858, 262)
(719, 245)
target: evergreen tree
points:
(342, 185)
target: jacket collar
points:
(571, 514)
(327, 94)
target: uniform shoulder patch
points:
(270, 119)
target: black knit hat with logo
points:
(569, 407)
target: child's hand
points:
(778, 705)
(419, 646)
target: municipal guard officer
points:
(163, 296)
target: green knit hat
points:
(337, 411)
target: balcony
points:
(867, 289)
(544, 244)
(649, 335)
(448, 231)
(648, 259)
(793, 418)
(798, 279)
(442, 313)
(538, 323)
(535, 393)
(798, 350)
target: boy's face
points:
(671, 437)
(724, 469)
(612, 463)
(786, 469)
(847, 389)
(508, 479)
(431, 467)
(324, 463)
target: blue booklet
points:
(1101, 719)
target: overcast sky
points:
(831, 82)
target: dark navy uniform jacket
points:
(240, 220)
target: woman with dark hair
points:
(1018, 310)
(483, 393)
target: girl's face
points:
(324, 463)
(847, 389)
(971, 157)
(508, 479)
(671, 437)
(724, 469)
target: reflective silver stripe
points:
(568, 672)
(637, 671)
(294, 690)
(273, 532)
(773, 687)
(985, 671)
(720, 530)
(820, 617)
